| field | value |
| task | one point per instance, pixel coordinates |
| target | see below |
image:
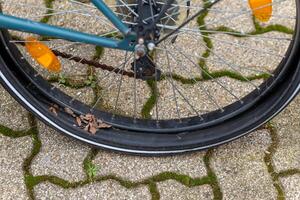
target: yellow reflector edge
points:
(42, 54)
(261, 9)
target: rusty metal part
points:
(93, 63)
(89, 62)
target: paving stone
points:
(110, 90)
(287, 124)
(29, 9)
(240, 168)
(222, 14)
(108, 190)
(136, 167)
(197, 96)
(97, 24)
(59, 156)
(178, 52)
(12, 154)
(172, 190)
(248, 56)
(291, 187)
(12, 114)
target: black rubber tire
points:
(274, 100)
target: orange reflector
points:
(42, 54)
(261, 9)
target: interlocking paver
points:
(198, 93)
(59, 156)
(12, 154)
(291, 185)
(241, 170)
(12, 114)
(136, 167)
(79, 21)
(287, 124)
(108, 190)
(226, 16)
(241, 61)
(172, 190)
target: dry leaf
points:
(53, 110)
(103, 125)
(90, 117)
(78, 120)
(69, 111)
(91, 123)
(87, 127)
(92, 129)
(83, 119)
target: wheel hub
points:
(147, 33)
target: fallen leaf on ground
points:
(90, 123)
(53, 110)
(92, 128)
(102, 125)
(69, 111)
(78, 120)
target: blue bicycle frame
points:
(15, 23)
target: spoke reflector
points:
(42, 54)
(261, 9)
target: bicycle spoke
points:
(173, 87)
(206, 73)
(110, 82)
(181, 94)
(134, 92)
(214, 101)
(232, 66)
(120, 85)
(130, 9)
(197, 32)
(238, 14)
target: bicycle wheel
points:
(222, 74)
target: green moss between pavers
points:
(218, 195)
(14, 134)
(34, 151)
(274, 27)
(99, 51)
(87, 162)
(258, 30)
(268, 160)
(210, 179)
(49, 5)
(69, 82)
(153, 191)
(288, 172)
(234, 75)
(150, 103)
(31, 181)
